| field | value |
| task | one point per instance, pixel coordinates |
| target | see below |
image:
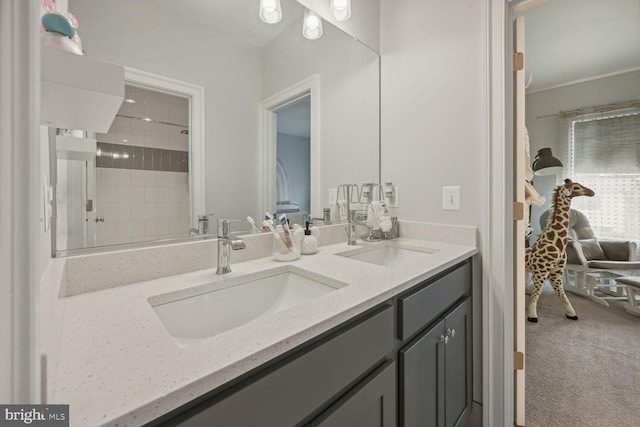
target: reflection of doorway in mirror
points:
(293, 175)
(142, 170)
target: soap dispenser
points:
(310, 242)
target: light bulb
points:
(340, 9)
(311, 25)
(313, 22)
(340, 4)
(269, 5)
(270, 11)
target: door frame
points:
(498, 247)
(269, 138)
(196, 96)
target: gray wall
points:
(433, 57)
(542, 130)
(434, 115)
(294, 153)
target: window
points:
(603, 153)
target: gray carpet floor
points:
(583, 373)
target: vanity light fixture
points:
(341, 10)
(270, 11)
(545, 164)
(311, 25)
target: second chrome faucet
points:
(226, 244)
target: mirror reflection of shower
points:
(134, 184)
(293, 175)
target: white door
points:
(521, 219)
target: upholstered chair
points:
(586, 250)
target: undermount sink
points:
(389, 254)
(204, 312)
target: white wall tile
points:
(106, 230)
(156, 194)
(185, 210)
(110, 176)
(157, 227)
(107, 193)
(179, 194)
(127, 194)
(133, 228)
(180, 226)
(144, 210)
(170, 210)
(144, 178)
(173, 179)
(114, 211)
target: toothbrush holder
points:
(284, 252)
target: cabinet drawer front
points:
(423, 306)
(286, 395)
(371, 403)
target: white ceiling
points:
(233, 18)
(574, 40)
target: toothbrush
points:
(252, 222)
(285, 229)
(275, 233)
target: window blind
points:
(603, 153)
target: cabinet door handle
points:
(446, 340)
(451, 332)
(443, 339)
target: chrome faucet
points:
(351, 223)
(226, 244)
(203, 224)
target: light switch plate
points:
(451, 198)
(333, 196)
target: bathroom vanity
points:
(388, 344)
(413, 351)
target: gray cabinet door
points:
(458, 355)
(435, 373)
(422, 380)
(372, 403)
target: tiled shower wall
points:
(142, 180)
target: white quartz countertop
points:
(117, 365)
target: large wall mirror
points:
(328, 98)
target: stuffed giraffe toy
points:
(547, 256)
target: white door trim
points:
(498, 377)
(196, 96)
(267, 149)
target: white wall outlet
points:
(451, 198)
(333, 196)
